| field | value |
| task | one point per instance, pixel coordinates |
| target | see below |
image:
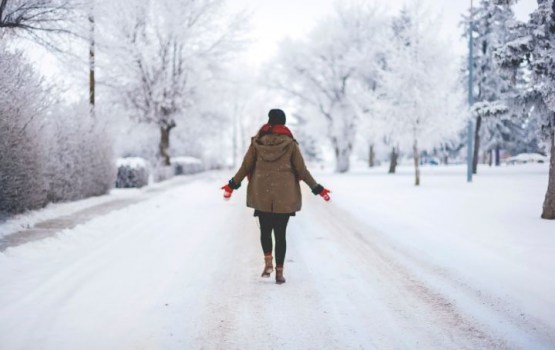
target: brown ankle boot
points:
(279, 275)
(268, 266)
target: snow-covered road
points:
(181, 271)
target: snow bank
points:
(132, 162)
(488, 233)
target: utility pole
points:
(470, 127)
(91, 61)
(235, 135)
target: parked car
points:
(186, 165)
(524, 158)
(430, 161)
(132, 172)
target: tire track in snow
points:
(246, 311)
(341, 292)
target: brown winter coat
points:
(275, 166)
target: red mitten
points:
(227, 192)
(325, 194)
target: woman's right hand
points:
(227, 191)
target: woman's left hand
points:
(325, 194)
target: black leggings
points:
(277, 223)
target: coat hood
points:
(271, 147)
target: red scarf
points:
(275, 129)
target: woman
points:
(274, 166)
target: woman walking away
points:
(274, 166)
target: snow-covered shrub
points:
(187, 165)
(22, 185)
(132, 172)
(80, 155)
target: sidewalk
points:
(121, 198)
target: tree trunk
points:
(476, 145)
(165, 145)
(371, 156)
(549, 202)
(393, 160)
(91, 62)
(343, 146)
(342, 155)
(489, 157)
(497, 156)
(416, 163)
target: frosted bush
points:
(80, 155)
(22, 185)
(47, 153)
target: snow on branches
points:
(364, 73)
(33, 15)
(489, 26)
(532, 47)
(42, 21)
(164, 53)
(322, 72)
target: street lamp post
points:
(470, 126)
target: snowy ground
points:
(383, 266)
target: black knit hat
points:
(276, 117)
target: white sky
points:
(274, 20)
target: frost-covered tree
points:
(240, 110)
(320, 72)
(494, 119)
(308, 142)
(502, 128)
(533, 45)
(418, 94)
(162, 53)
(369, 58)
